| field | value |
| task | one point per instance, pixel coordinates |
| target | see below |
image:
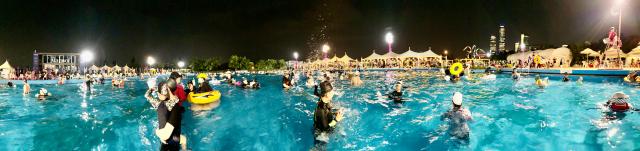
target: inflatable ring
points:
(537, 59)
(456, 69)
(204, 98)
(202, 75)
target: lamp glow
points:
(180, 64)
(86, 56)
(151, 61)
(295, 55)
(389, 38)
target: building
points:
(493, 47)
(502, 46)
(61, 61)
(524, 42)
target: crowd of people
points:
(168, 96)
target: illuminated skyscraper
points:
(502, 45)
(524, 42)
(492, 44)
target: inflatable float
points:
(204, 98)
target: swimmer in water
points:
(26, 88)
(43, 94)
(167, 120)
(565, 77)
(619, 102)
(515, 75)
(286, 82)
(396, 95)
(355, 79)
(541, 83)
(579, 81)
(458, 118)
(325, 119)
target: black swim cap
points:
(171, 83)
(325, 87)
(175, 75)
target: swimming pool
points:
(507, 115)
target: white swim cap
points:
(620, 95)
(457, 98)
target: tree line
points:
(235, 63)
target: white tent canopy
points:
(588, 51)
(117, 68)
(429, 54)
(345, 58)
(614, 53)
(6, 69)
(94, 68)
(390, 54)
(563, 53)
(373, 56)
(409, 54)
(633, 55)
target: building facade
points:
(493, 46)
(69, 62)
(502, 46)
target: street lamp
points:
(389, 39)
(445, 56)
(180, 64)
(619, 4)
(151, 61)
(86, 56)
(295, 56)
(325, 49)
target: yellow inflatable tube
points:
(456, 69)
(204, 98)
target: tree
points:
(209, 64)
(242, 63)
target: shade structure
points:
(6, 70)
(373, 56)
(587, 51)
(94, 68)
(614, 53)
(345, 58)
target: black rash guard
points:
(322, 117)
(396, 96)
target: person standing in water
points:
(26, 88)
(565, 77)
(396, 95)
(458, 118)
(324, 118)
(168, 119)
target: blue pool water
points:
(507, 115)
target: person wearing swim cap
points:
(619, 102)
(540, 82)
(565, 77)
(458, 118)
(43, 94)
(579, 81)
(324, 118)
(396, 95)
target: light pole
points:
(445, 56)
(389, 39)
(295, 56)
(180, 64)
(85, 57)
(619, 45)
(325, 49)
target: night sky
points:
(120, 30)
